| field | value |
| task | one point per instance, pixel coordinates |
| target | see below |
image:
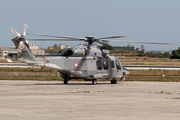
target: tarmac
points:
(52, 100)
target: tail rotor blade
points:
(25, 29)
(15, 32)
(20, 47)
(29, 43)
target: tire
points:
(65, 81)
(94, 82)
(113, 81)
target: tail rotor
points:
(19, 35)
(21, 38)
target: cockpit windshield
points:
(118, 65)
(125, 69)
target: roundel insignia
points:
(76, 65)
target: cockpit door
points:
(112, 70)
(118, 68)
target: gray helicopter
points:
(85, 61)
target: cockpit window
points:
(118, 65)
(112, 64)
(99, 64)
(105, 64)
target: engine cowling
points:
(76, 52)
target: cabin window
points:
(118, 66)
(105, 64)
(112, 64)
(99, 64)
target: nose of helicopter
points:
(126, 71)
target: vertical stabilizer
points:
(22, 44)
(23, 49)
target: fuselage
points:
(81, 62)
(87, 67)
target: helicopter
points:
(84, 61)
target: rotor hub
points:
(91, 37)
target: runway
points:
(147, 67)
(52, 100)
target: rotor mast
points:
(90, 39)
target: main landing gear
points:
(94, 82)
(113, 81)
(65, 81)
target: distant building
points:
(51, 48)
(55, 45)
(137, 49)
(128, 47)
(33, 47)
(142, 47)
(36, 51)
(12, 53)
(8, 52)
(3, 53)
(61, 46)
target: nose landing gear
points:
(113, 81)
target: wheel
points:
(65, 81)
(94, 82)
(115, 81)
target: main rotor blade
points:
(112, 37)
(103, 43)
(52, 40)
(53, 36)
(138, 42)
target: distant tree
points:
(107, 48)
(176, 54)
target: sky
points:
(139, 20)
